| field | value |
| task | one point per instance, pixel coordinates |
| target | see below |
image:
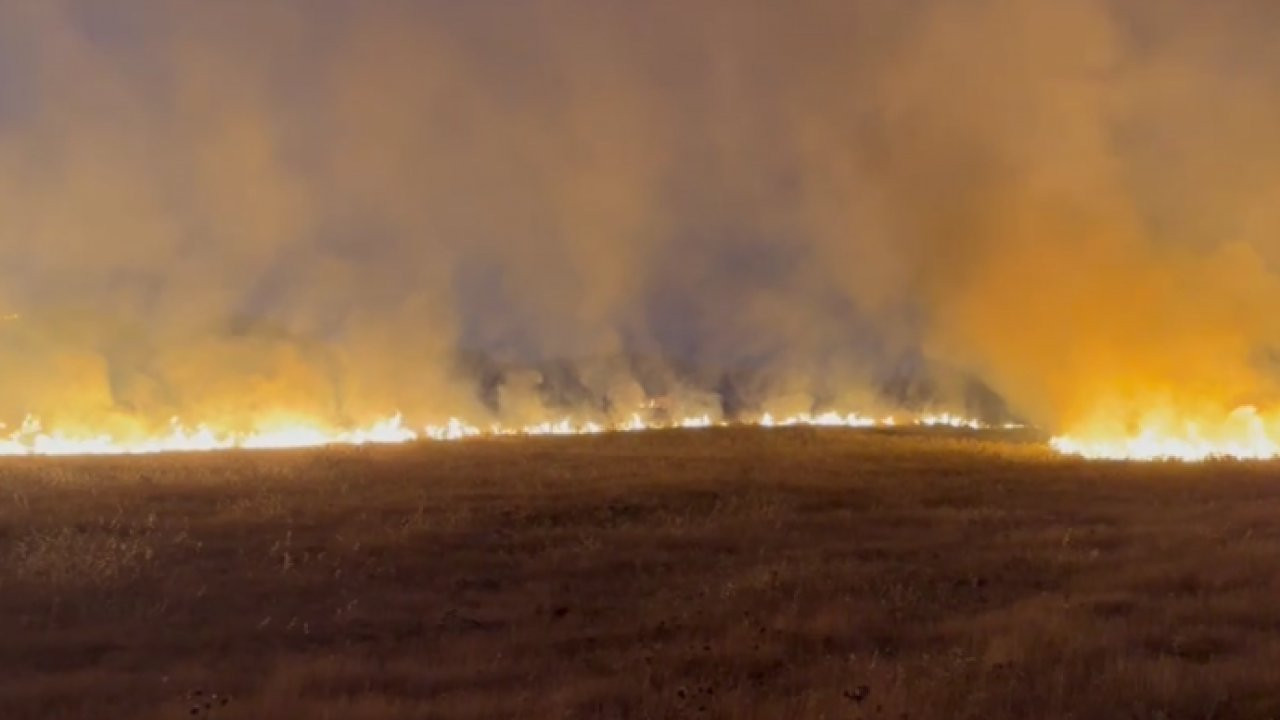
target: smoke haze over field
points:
(342, 208)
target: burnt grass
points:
(728, 573)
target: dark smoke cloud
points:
(224, 209)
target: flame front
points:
(32, 438)
(1244, 433)
(1168, 434)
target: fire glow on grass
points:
(1242, 434)
(33, 439)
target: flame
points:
(1243, 433)
(32, 439)
(1167, 434)
(286, 431)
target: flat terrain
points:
(739, 573)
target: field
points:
(728, 573)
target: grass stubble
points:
(724, 573)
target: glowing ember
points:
(1242, 434)
(31, 438)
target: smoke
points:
(222, 211)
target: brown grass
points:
(721, 574)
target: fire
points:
(827, 419)
(32, 438)
(1243, 434)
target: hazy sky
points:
(221, 208)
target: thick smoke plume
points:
(219, 210)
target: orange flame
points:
(1166, 434)
(32, 438)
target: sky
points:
(502, 208)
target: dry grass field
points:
(736, 573)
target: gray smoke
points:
(221, 209)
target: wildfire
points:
(32, 438)
(1242, 434)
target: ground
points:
(725, 573)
